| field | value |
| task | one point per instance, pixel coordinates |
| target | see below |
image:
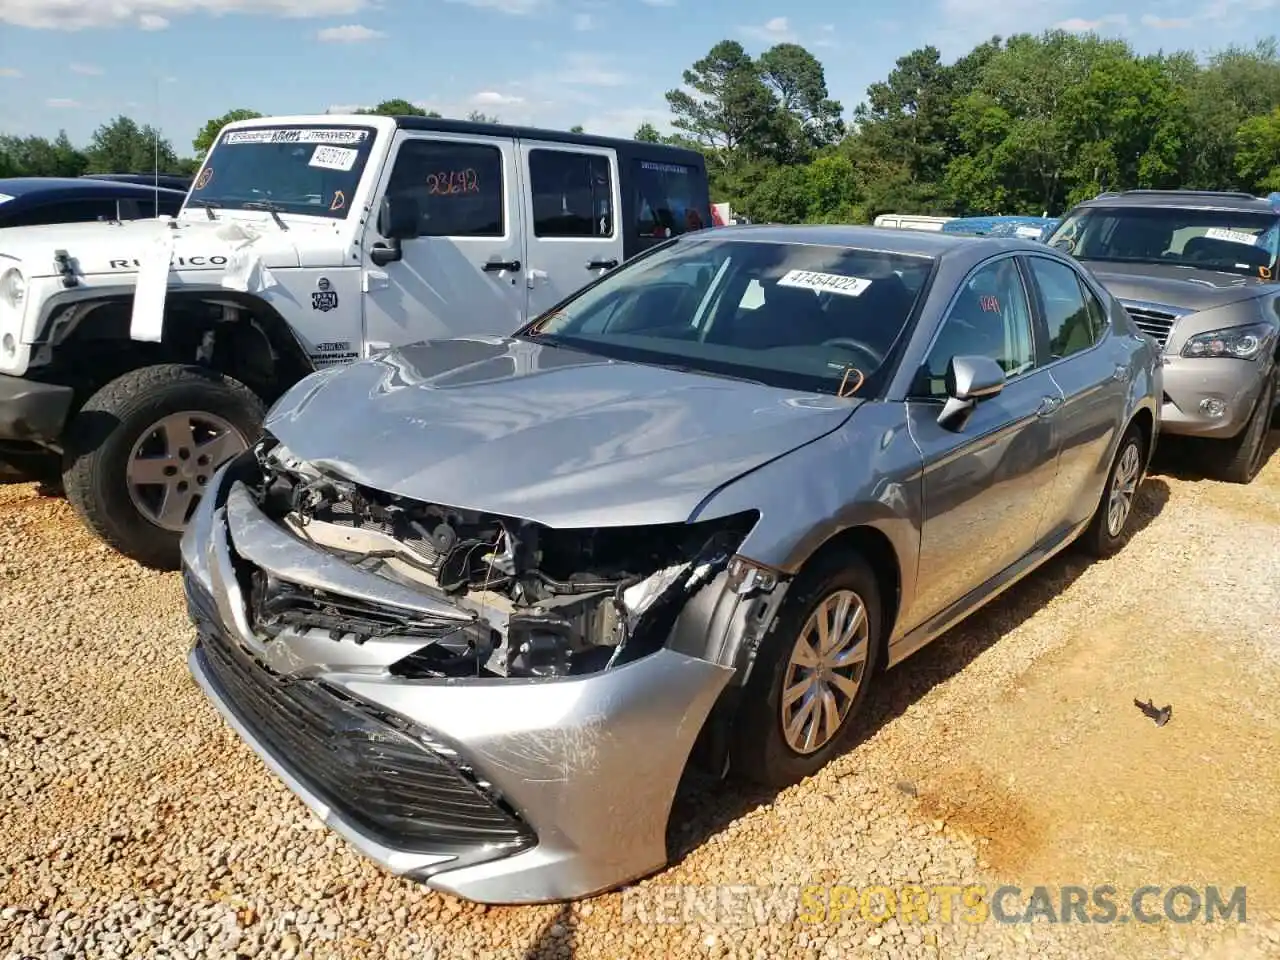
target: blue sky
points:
(71, 64)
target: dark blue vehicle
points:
(173, 181)
(35, 201)
(1028, 228)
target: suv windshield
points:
(290, 169)
(799, 316)
(1227, 241)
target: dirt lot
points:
(133, 823)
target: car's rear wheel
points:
(142, 450)
(1239, 459)
(811, 675)
(1111, 522)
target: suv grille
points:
(1155, 323)
(376, 774)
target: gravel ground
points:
(133, 823)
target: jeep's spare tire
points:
(143, 448)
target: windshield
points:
(308, 170)
(799, 316)
(1222, 240)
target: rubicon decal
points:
(214, 261)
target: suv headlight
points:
(1240, 343)
(13, 287)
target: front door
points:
(463, 274)
(572, 206)
(985, 484)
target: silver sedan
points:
(479, 602)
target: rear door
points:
(464, 273)
(571, 205)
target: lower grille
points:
(375, 774)
(1154, 323)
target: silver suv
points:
(1198, 273)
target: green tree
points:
(576, 128)
(38, 157)
(647, 133)
(730, 107)
(476, 116)
(398, 108)
(209, 132)
(1257, 156)
(807, 116)
(121, 146)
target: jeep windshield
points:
(1226, 241)
(309, 170)
(809, 317)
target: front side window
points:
(572, 194)
(1072, 320)
(991, 317)
(809, 317)
(1223, 240)
(306, 170)
(457, 187)
(668, 199)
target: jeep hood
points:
(100, 248)
(543, 433)
(1183, 287)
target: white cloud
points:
(582, 22)
(491, 98)
(519, 8)
(155, 14)
(10, 72)
(590, 70)
(86, 69)
(826, 36)
(348, 33)
(1164, 23)
(61, 103)
(777, 30)
(1081, 25)
(964, 23)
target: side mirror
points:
(398, 219)
(969, 380)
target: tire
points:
(117, 428)
(759, 750)
(1124, 480)
(1239, 459)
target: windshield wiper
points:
(271, 208)
(207, 204)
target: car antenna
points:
(155, 167)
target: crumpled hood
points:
(98, 248)
(1182, 287)
(544, 433)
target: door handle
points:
(1048, 406)
(1120, 373)
(602, 264)
(490, 266)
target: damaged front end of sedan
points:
(498, 708)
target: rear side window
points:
(457, 186)
(64, 211)
(572, 194)
(668, 199)
(1072, 325)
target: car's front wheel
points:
(1239, 459)
(811, 675)
(142, 450)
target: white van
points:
(910, 221)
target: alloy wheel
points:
(824, 672)
(174, 460)
(1124, 487)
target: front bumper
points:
(500, 791)
(31, 411)
(1190, 381)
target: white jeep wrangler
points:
(142, 355)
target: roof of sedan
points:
(73, 186)
(924, 243)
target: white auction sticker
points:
(283, 135)
(1031, 233)
(1232, 236)
(829, 282)
(334, 158)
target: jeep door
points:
(572, 206)
(463, 274)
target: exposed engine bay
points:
(543, 602)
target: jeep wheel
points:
(142, 449)
(1239, 459)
